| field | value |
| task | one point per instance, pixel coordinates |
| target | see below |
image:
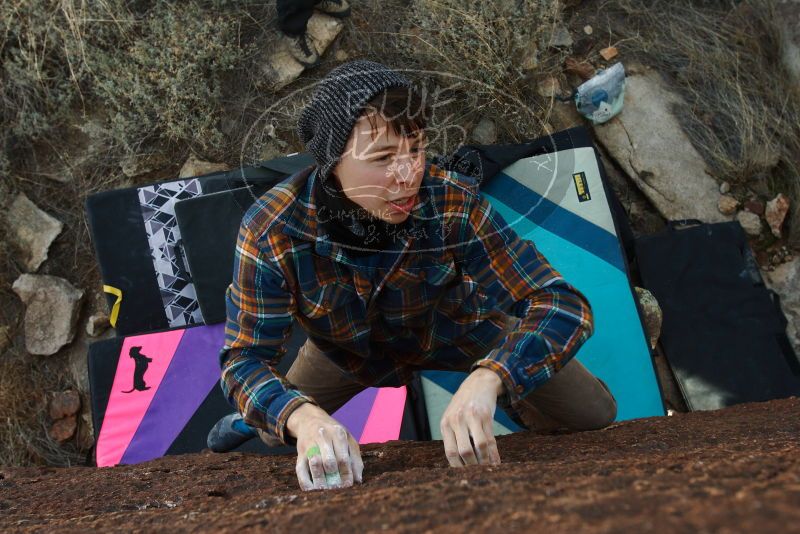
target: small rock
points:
(531, 56)
(341, 55)
(32, 230)
(549, 87)
(609, 53)
(653, 316)
(754, 206)
(588, 30)
(97, 324)
(750, 222)
(583, 69)
(63, 429)
(5, 338)
(485, 133)
(134, 165)
(727, 204)
(197, 167)
(724, 188)
(51, 311)
(64, 403)
(561, 38)
(776, 211)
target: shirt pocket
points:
(438, 273)
(325, 299)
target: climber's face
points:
(380, 170)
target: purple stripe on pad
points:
(191, 374)
(354, 414)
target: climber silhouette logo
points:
(142, 362)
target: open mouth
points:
(403, 205)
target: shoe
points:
(229, 432)
(302, 49)
(335, 8)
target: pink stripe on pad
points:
(133, 390)
(386, 416)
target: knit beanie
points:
(327, 121)
(325, 126)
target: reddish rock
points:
(609, 53)
(63, 429)
(754, 206)
(776, 211)
(731, 470)
(582, 69)
(64, 404)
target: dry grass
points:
(24, 382)
(743, 112)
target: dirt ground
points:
(731, 470)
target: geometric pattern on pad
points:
(157, 204)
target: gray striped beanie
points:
(326, 122)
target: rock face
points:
(31, 230)
(197, 167)
(281, 68)
(648, 143)
(784, 280)
(52, 306)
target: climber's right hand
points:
(327, 454)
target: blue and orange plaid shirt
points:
(439, 300)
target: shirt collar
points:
(301, 221)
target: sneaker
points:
(302, 49)
(229, 432)
(335, 8)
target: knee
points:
(601, 412)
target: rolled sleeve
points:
(556, 319)
(259, 322)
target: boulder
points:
(31, 230)
(197, 167)
(648, 142)
(784, 280)
(51, 312)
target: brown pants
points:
(573, 398)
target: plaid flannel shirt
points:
(440, 302)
